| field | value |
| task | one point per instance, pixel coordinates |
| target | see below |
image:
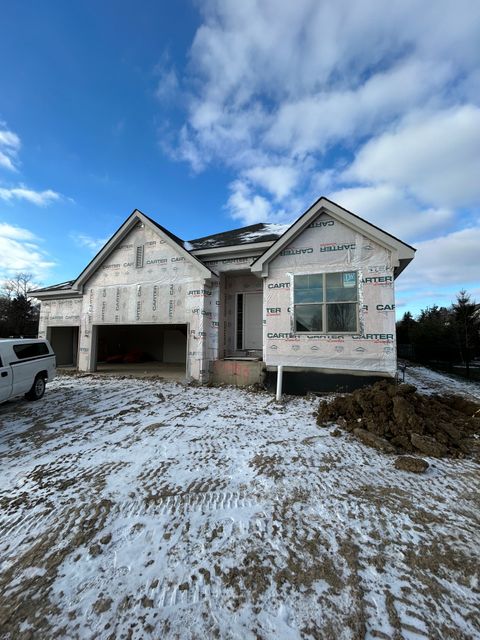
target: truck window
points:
(32, 350)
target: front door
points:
(253, 320)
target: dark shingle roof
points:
(261, 232)
(54, 287)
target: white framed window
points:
(326, 302)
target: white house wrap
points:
(263, 291)
(328, 246)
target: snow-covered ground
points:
(148, 509)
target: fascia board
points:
(65, 293)
(258, 247)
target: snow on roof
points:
(261, 232)
(270, 229)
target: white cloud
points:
(9, 147)
(283, 95)
(279, 180)
(313, 122)
(39, 198)
(84, 240)
(167, 79)
(450, 260)
(394, 211)
(21, 252)
(303, 68)
(250, 208)
(435, 155)
(15, 233)
(167, 85)
(247, 207)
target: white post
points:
(279, 382)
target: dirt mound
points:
(397, 419)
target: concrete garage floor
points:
(163, 370)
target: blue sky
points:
(213, 115)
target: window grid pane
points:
(309, 318)
(341, 287)
(341, 317)
(308, 288)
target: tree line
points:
(442, 335)
(18, 313)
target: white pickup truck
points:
(25, 367)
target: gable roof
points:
(255, 233)
(279, 235)
(135, 217)
(403, 252)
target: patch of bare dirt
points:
(398, 419)
(24, 593)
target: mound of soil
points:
(397, 419)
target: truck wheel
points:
(37, 390)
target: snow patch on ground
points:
(145, 509)
(429, 381)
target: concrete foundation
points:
(239, 373)
(303, 381)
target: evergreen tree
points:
(467, 324)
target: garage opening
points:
(146, 348)
(64, 341)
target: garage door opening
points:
(143, 349)
(64, 341)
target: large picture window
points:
(326, 302)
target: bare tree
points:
(18, 314)
(18, 286)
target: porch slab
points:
(239, 373)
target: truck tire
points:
(37, 390)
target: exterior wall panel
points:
(328, 246)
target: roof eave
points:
(56, 293)
(233, 248)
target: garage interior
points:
(147, 348)
(64, 342)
